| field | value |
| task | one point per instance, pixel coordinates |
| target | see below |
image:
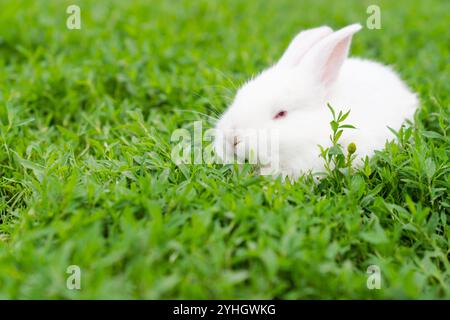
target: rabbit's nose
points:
(233, 139)
(236, 140)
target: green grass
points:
(86, 176)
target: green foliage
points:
(335, 159)
(86, 176)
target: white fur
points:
(312, 72)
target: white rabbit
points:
(290, 99)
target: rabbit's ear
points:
(301, 44)
(327, 56)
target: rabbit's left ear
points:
(302, 42)
(325, 59)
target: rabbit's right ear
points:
(326, 58)
(301, 44)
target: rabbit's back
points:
(377, 98)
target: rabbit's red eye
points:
(280, 114)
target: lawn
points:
(87, 178)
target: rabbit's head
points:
(280, 105)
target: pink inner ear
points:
(335, 61)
